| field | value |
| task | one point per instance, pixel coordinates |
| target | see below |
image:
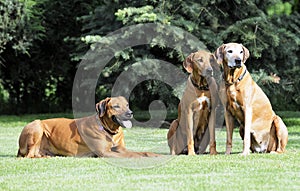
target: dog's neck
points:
(199, 82)
(104, 124)
(234, 75)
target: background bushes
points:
(42, 41)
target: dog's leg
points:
(281, 134)
(212, 117)
(229, 120)
(122, 152)
(212, 136)
(30, 140)
(247, 135)
(190, 133)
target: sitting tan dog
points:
(98, 135)
(260, 128)
(196, 110)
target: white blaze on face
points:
(233, 53)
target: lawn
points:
(202, 172)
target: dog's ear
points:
(188, 63)
(246, 54)
(101, 107)
(219, 54)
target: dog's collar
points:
(238, 80)
(102, 128)
(199, 87)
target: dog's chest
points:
(234, 101)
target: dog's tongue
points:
(125, 123)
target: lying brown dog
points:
(260, 128)
(196, 110)
(98, 135)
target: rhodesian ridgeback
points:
(260, 128)
(196, 110)
(98, 135)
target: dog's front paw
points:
(228, 151)
(150, 154)
(212, 148)
(213, 151)
(172, 152)
(191, 150)
(191, 153)
(245, 153)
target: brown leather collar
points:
(102, 128)
(238, 80)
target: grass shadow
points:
(8, 156)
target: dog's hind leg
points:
(30, 140)
(281, 134)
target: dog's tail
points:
(173, 127)
(171, 136)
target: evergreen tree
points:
(269, 29)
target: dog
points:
(260, 128)
(188, 133)
(99, 135)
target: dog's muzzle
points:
(209, 72)
(124, 121)
(238, 63)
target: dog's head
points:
(199, 63)
(232, 54)
(116, 109)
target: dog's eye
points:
(229, 51)
(241, 52)
(200, 60)
(116, 107)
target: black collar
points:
(102, 128)
(238, 80)
(199, 87)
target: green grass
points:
(203, 172)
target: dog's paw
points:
(191, 153)
(228, 151)
(245, 153)
(149, 154)
(213, 151)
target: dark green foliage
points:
(20, 24)
(39, 77)
(42, 43)
(269, 29)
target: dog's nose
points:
(209, 71)
(238, 62)
(129, 114)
